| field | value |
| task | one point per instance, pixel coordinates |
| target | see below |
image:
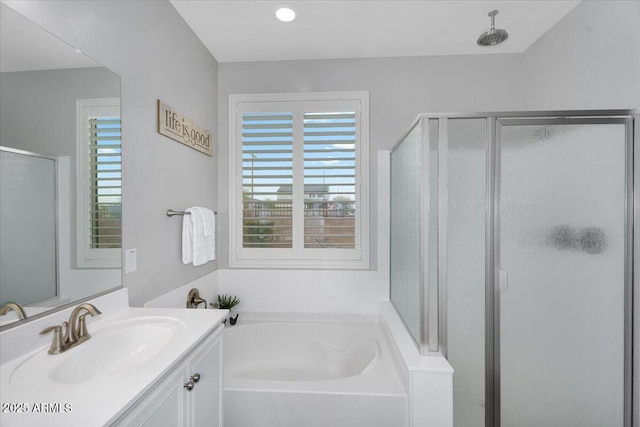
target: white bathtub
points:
(307, 374)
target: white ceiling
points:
(235, 30)
(24, 46)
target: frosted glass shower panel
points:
(562, 245)
(28, 228)
(466, 179)
(406, 176)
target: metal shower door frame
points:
(631, 119)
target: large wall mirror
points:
(60, 166)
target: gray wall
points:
(399, 89)
(589, 60)
(50, 96)
(158, 57)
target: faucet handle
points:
(83, 332)
(57, 329)
(58, 345)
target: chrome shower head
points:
(493, 36)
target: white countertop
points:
(102, 400)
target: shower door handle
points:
(504, 280)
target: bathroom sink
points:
(113, 349)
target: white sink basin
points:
(116, 348)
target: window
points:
(299, 167)
(99, 183)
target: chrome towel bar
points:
(171, 212)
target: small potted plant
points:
(228, 302)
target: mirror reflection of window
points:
(99, 156)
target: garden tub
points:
(310, 373)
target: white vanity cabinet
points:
(190, 395)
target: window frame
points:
(87, 257)
(299, 257)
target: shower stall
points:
(514, 255)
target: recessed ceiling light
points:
(77, 50)
(285, 12)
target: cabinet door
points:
(204, 399)
(164, 406)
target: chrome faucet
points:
(76, 331)
(15, 307)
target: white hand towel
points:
(209, 225)
(187, 238)
(203, 246)
(209, 222)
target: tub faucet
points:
(194, 300)
(76, 331)
(15, 307)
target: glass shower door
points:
(563, 254)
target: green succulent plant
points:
(226, 302)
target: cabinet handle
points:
(195, 377)
(189, 385)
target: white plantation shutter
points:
(299, 198)
(329, 180)
(267, 180)
(105, 182)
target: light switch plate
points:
(130, 260)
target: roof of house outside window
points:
(310, 190)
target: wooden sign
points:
(182, 129)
